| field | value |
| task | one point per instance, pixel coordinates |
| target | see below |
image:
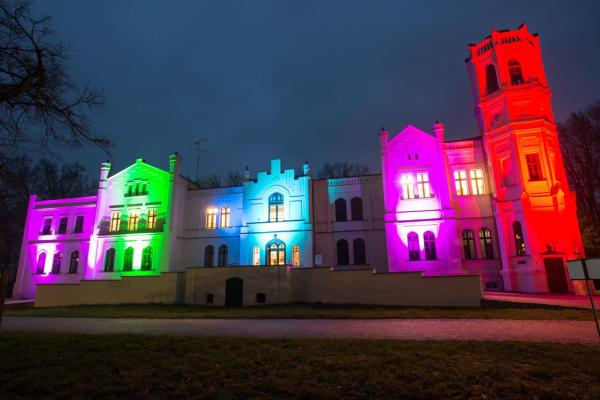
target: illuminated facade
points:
(497, 205)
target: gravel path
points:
(410, 329)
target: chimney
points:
(383, 140)
(306, 168)
(104, 170)
(438, 130)
(246, 174)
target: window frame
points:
(413, 246)
(468, 243)
(276, 207)
(429, 246)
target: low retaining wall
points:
(167, 288)
(271, 285)
(398, 288)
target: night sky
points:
(299, 80)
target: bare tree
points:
(39, 103)
(56, 182)
(580, 143)
(234, 178)
(210, 181)
(342, 170)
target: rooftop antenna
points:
(199, 150)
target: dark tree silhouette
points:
(580, 143)
(342, 170)
(39, 103)
(234, 178)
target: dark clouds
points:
(299, 80)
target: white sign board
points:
(576, 268)
(318, 259)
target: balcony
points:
(142, 227)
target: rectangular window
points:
(62, 226)
(476, 176)
(408, 186)
(460, 182)
(115, 221)
(256, 255)
(276, 212)
(78, 224)
(47, 228)
(423, 187)
(533, 166)
(296, 255)
(132, 222)
(211, 218)
(151, 219)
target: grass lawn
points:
(53, 366)
(490, 310)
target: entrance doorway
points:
(555, 273)
(234, 292)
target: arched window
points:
(74, 262)
(276, 207)
(356, 208)
(342, 252)
(147, 259)
(414, 251)
(275, 252)
(209, 256)
(56, 263)
(109, 260)
(223, 251)
(519, 241)
(468, 240)
(340, 210)
(225, 217)
(429, 242)
(360, 254)
(514, 69)
(128, 259)
(296, 255)
(491, 79)
(41, 263)
(485, 242)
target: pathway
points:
(399, 329)
(563, 300)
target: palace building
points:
(496, 205)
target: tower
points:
(534, 209)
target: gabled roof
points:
(411, 134)
(138, 162)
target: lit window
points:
(408, 186)
(476, 176)
(514, 70)
(225, 215)
(429, 242)
(460, 183)
(128, 259)
(423, 187)
(296, 255)
(414, 251)
(211, 218)
(256, 255)
(533, 166)
(132, 222)
(468, 240)
(47, 228)
(276, 207)
(151, 224)
(115, 221)
(276, 253)
(485, 242)
(62, 226)
(78, 224)
(147, 259)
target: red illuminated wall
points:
(529, 182)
